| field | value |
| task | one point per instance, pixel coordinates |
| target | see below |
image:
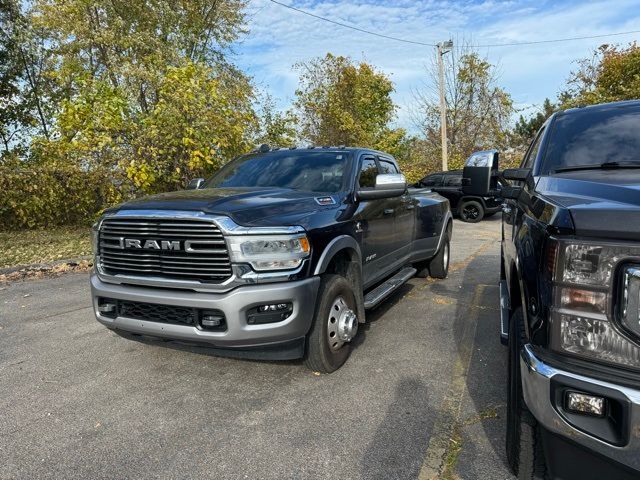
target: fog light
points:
(211, 320)
(107, 307)
(270, 313)
(274, 307)
(586, 404)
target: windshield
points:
(321, 171)
(594, 137)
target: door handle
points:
(389, 211)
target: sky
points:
(279, 37)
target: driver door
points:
(376, 219)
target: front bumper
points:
(542, 387)
(234, 304)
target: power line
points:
(351, 26)
(415, 42)
(556, 40)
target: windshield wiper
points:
(598, 166)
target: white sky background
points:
(280, 37)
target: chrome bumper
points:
(234, 304)
(536, 385)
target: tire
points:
(325, 352)
(523, 441)
(439, 265)
(471, 211)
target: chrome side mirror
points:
(387, 185)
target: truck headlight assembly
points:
(588, 300)
(269, 252)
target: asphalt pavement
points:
(422, 395)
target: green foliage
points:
(145, 88)
(36, 196)
(341, 103)
(275, 128)
(201, 120)
(15, 107)
(611, 74)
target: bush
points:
(43, 196)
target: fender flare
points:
(448, 218)
(334, 246)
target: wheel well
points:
(480, 200)
(347, 264)
(340, 264)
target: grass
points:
(25, 247)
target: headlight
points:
(269, 252)
(586, 305)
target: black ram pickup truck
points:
(276, 256)
(570, 297)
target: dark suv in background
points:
(469, 208)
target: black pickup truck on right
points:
(570, 297)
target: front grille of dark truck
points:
(207, 262)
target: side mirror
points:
(195, 184)
(479, 173)
(387, 185)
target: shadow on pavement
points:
(394, 452)
(485, 377)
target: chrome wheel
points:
(342, 324)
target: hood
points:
(602, 203)
(246, 206)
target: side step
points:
(504, 313)
(382, 291)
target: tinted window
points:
(533, 151)
(307, 171)
(387, 167)
(593, 137)
(432, 181)
(368, 172)
(452, 181)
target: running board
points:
(382, 291)
(504, 312)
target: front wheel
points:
(471, 211)
(523, 442)
(335, 324)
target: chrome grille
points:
(202, 255)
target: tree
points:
(202, 119)
(131, 43)
(143, 89)
(478, 111)
(612, 73)
(23, 110)
(342, 103)
(275, 128)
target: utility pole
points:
(443, 47)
